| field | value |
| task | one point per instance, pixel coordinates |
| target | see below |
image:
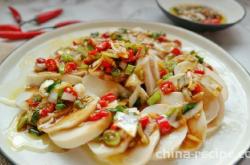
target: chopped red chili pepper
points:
(144, 121)
(51, 107)
(91, 42)
(70, 66)
(51, 65)
(162, 38)
(105, 35)
(106, 63)
(167, 87)
(164, 125)
(103, 103)
(163, 72)
(178, 43)
(70, 90)
(176, 51)
(114, 127)
(98, 115)
(103, 46)
(40, 60)
(88, 61)
(198, 88)
(44, 113)
(93, 52)
(32, 103)
(108, 70)
(197, 71)
(109, 97)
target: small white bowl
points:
(231, 9)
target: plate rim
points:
(112, 22)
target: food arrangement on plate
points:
(128, 94)
(198, 13)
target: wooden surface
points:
(235, 40)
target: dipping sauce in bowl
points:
(198, 13)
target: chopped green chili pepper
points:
(200, 59)
(78, 104)
(154, 98)
(188, 107)
(61, 68)
(95, 34)
(60, 106)
(118, 108)
(167, 76)
(51, 87)
(37, 98)
(35, 117)
(111, 138)
(129, 69)
(116, 72)
(67, 57)
(83, 66)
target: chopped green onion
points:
(123, 30)
(95, 34)
(188, 107)
(35, 131)
(109, 54)
(111, 138)
(200, 59)
(83, 66)
(170, 65)
(154, 98)
(61, 68)
(35, 117)
(36, 98)
(60, 106)
(129, 69)
(67, 57)
(116, 72)
(51, 87)
(156, 35)
(118, 108)
(167, 76)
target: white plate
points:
(233, 136)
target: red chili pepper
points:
(109, 97)
(178, 43)
(48, 15)
(93, 52)
(198, 88)
(51, 107)
(98, 115)
(70, 66)
(105, 35)
(103, 46)
(9, 27)
(91, 42)
(65, 23)
(18, 35)
(88, 61)
(197, 71)
(114, 127)
(103, 103)
(108, 70)
(15, 14)
(106, 64)
(164, 125)
(44, 112)
(70, 90)
(32, 103)
(144, 121)
(167, 87)
(51, 65)
(162, 38)
(40, 60)
(163, 72)
(176, 51)
(132, 57)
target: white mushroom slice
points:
(174, 99)
(102, 150)
(149, 78)
(71, 120)
(72, 79)
(133, 81)
(216, 77)
(198, 107)
(134, 96)
(211, 106)
(80, 90)
(36, 79)
(183, 67)
(197, 128)
(143, 94)
(80, 134)
(216, 123)
(21, 100)
(170, 143)
(154, 63)
(44, 86)
(141, 154)
(100, 87)
(175, 79)
(211, 85)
